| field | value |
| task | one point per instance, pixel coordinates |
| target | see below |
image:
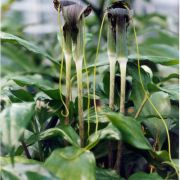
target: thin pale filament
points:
(94, 88)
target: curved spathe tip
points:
(120, 8)
(58, 3)
(72, 11)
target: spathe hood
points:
(120, 9)
(72, 13)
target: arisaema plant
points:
(73, 40)
(108, 113)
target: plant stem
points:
(112, 62)
(110, 155)
(26, 150)
(111, 46)
(39, 143)
(80, 100)
(118, 160)
(141, 106)
(122, 52)
(123, 64)
(87, 75)
(68, 83)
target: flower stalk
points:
(112, 63)
(111, 50)
(123, 65)
(122, 54)
(118, 18)
(80, 101)
(112, 60)
(122, 60)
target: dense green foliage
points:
(33, 134)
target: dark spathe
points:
(72, 13)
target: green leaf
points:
(26, 171)
(163, 159)
(38, 82)
(160, 100)
(14, 120)
(46, 108)
(17, 159)
(145, 176)
(18, 57)
(137, 94)
(163, 60)
(172, 90)
(168, 61)
(160, 37)
(162, 156)
(132, 70)
(6, 37)
(67, 132)
(107, 174)
(130, 130)
(72, 163)
(98, 65)
(52, 93)
(32, 80)
(63, 130)
(22, 95)
(160, 50)
(162, 103)
(174, 164)
(101, 115)
(157, 129)
(110, 132)
(171, 76)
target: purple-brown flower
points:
(119, 15)
(73, 13)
